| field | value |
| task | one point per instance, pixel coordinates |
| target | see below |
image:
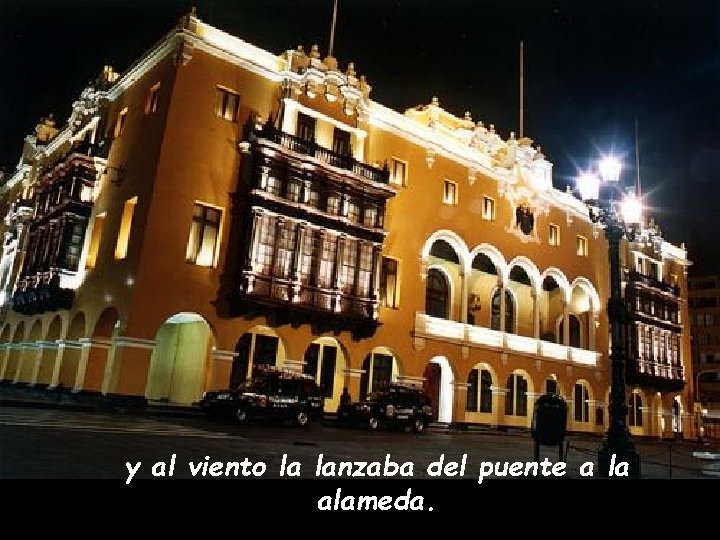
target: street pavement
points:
(68, 444)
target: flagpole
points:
(332, 29)
(522, 91)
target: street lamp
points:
(620, 213)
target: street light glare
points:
(631, 210)
(589, 186)
(610, 167)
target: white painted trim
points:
(292, 104)
(138, 343)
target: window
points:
(327, 261)
(348, 262)
(479, 385)
(485, 391)
(228, 104)
(371, 214)
(341, 142)
(365, 269)
(488, 209)
(353, 211)
(204, 234)
(285, 249)
(551, 386)
(125, 226)
(509, 312)
(326, 360)
(305, 127)
(449, 192)
(471, 403)
(389, 291)
(265, 352)
(436, 294)
(333, 204)
(75, 234)
(516, 396)
(635, 410)
(582, 249)
(152, 99)
(554, 236)
(95, 239)
(581, 403)
(398, 172)
(120, 122)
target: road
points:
(55, 444)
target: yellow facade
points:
(146, 322)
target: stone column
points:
(463, 296)
(566, 323)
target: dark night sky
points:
(590, 69)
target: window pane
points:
(206, 255)
(472, 391)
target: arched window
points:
(516, 396)
(634, 410)
(574, 338)
(485, 391)
(509, 312)
(479, 392)
(436, 294)
(581, 402)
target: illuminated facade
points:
(705, 323)
(218, 207)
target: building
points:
(705, 325)
(218, 207)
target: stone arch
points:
(519, 389)
(325, 359)
(106, 329)
(13, 359)
(587, 286)
(530, 269)
(381, 366)
(439, 379)
(29, 357)
(637, 405)
(494, 254)
(481, 399)
(49, 355)
(180, 359)
(259, 346)
(511, 310)
(455, 241)
(72, 352)
(559, 278)
(580, 411)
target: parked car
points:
(270, 395)
(397, 406)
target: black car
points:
(270, 395)
(396, 406)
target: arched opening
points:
(509, 323)
(13, 360)
(325, 361)
(581, 402)
(380, 368)
(438, 385)
(49, 352)
(70, 361)
(516, 399)
(551, 308)
(30, 354)
(482, 281)
(551, 385)
(180, 359)
(437, 294)
(677, 409)
(521, 308)
(258, 347)
(635, 418)
(106, 329)
(479, 390)
(575, 333)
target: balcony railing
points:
(635, 276)
(467, 334)
(311, 148)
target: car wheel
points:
(419, 425)
(302, 419)
(373, 423)
(241, 415)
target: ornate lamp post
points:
(620, 214)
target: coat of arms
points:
(524, 218)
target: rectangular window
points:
(554, 236)
(204, 235)
(285, 249)
(327, 261)
(95, 239)
(305, 127)
(227, 104)
(310, 252)
(151, 102)
(294, 190)
(366, 257)
(398, 172)
(266, 244)
(449, 192)
(333, 204)
(341, 142)
(389, 283)
(488, 209)
(370, 219)
(353, 211)
(74, 236)
(120, 122)
(348, 264)
(125, 227)
(582, 249)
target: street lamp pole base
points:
(609, 466)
